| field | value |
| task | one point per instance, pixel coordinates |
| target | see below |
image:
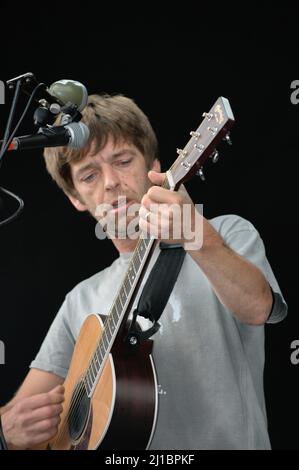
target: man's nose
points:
(111, 178)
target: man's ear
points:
(79, 205)
(156, 166)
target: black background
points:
(174, 63)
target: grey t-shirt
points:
(209, 365)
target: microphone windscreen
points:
(70, 91)
(79, 134)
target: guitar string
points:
(76, 397)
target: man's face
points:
(116, 174)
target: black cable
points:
(20, 120)
(9, 121)
(10, 118)
(6, 142)
(17, 212)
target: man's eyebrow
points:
(121, 153)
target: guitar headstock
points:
(202, 145)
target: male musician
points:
(209, 351)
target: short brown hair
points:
(105, 115)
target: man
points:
(209, 351)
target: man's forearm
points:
(239, 285)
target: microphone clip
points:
(46, 113)
(70, 113)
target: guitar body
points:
(121, 413)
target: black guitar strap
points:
(156, 291)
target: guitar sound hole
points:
(79, 412)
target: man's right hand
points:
(33, 420)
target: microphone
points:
(67, 96)
(74, 135)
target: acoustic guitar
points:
(111, 390)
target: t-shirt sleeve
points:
(243, 238)
(57, 348)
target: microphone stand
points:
(17, 82)
(11, 115)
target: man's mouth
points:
(119, 205)
(119, 202)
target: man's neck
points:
(125, 245)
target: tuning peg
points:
(215, 156)
(200, 174)
(182, 152)
(227, 139)
(195, 134)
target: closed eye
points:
(124, 162)
(89, 178)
